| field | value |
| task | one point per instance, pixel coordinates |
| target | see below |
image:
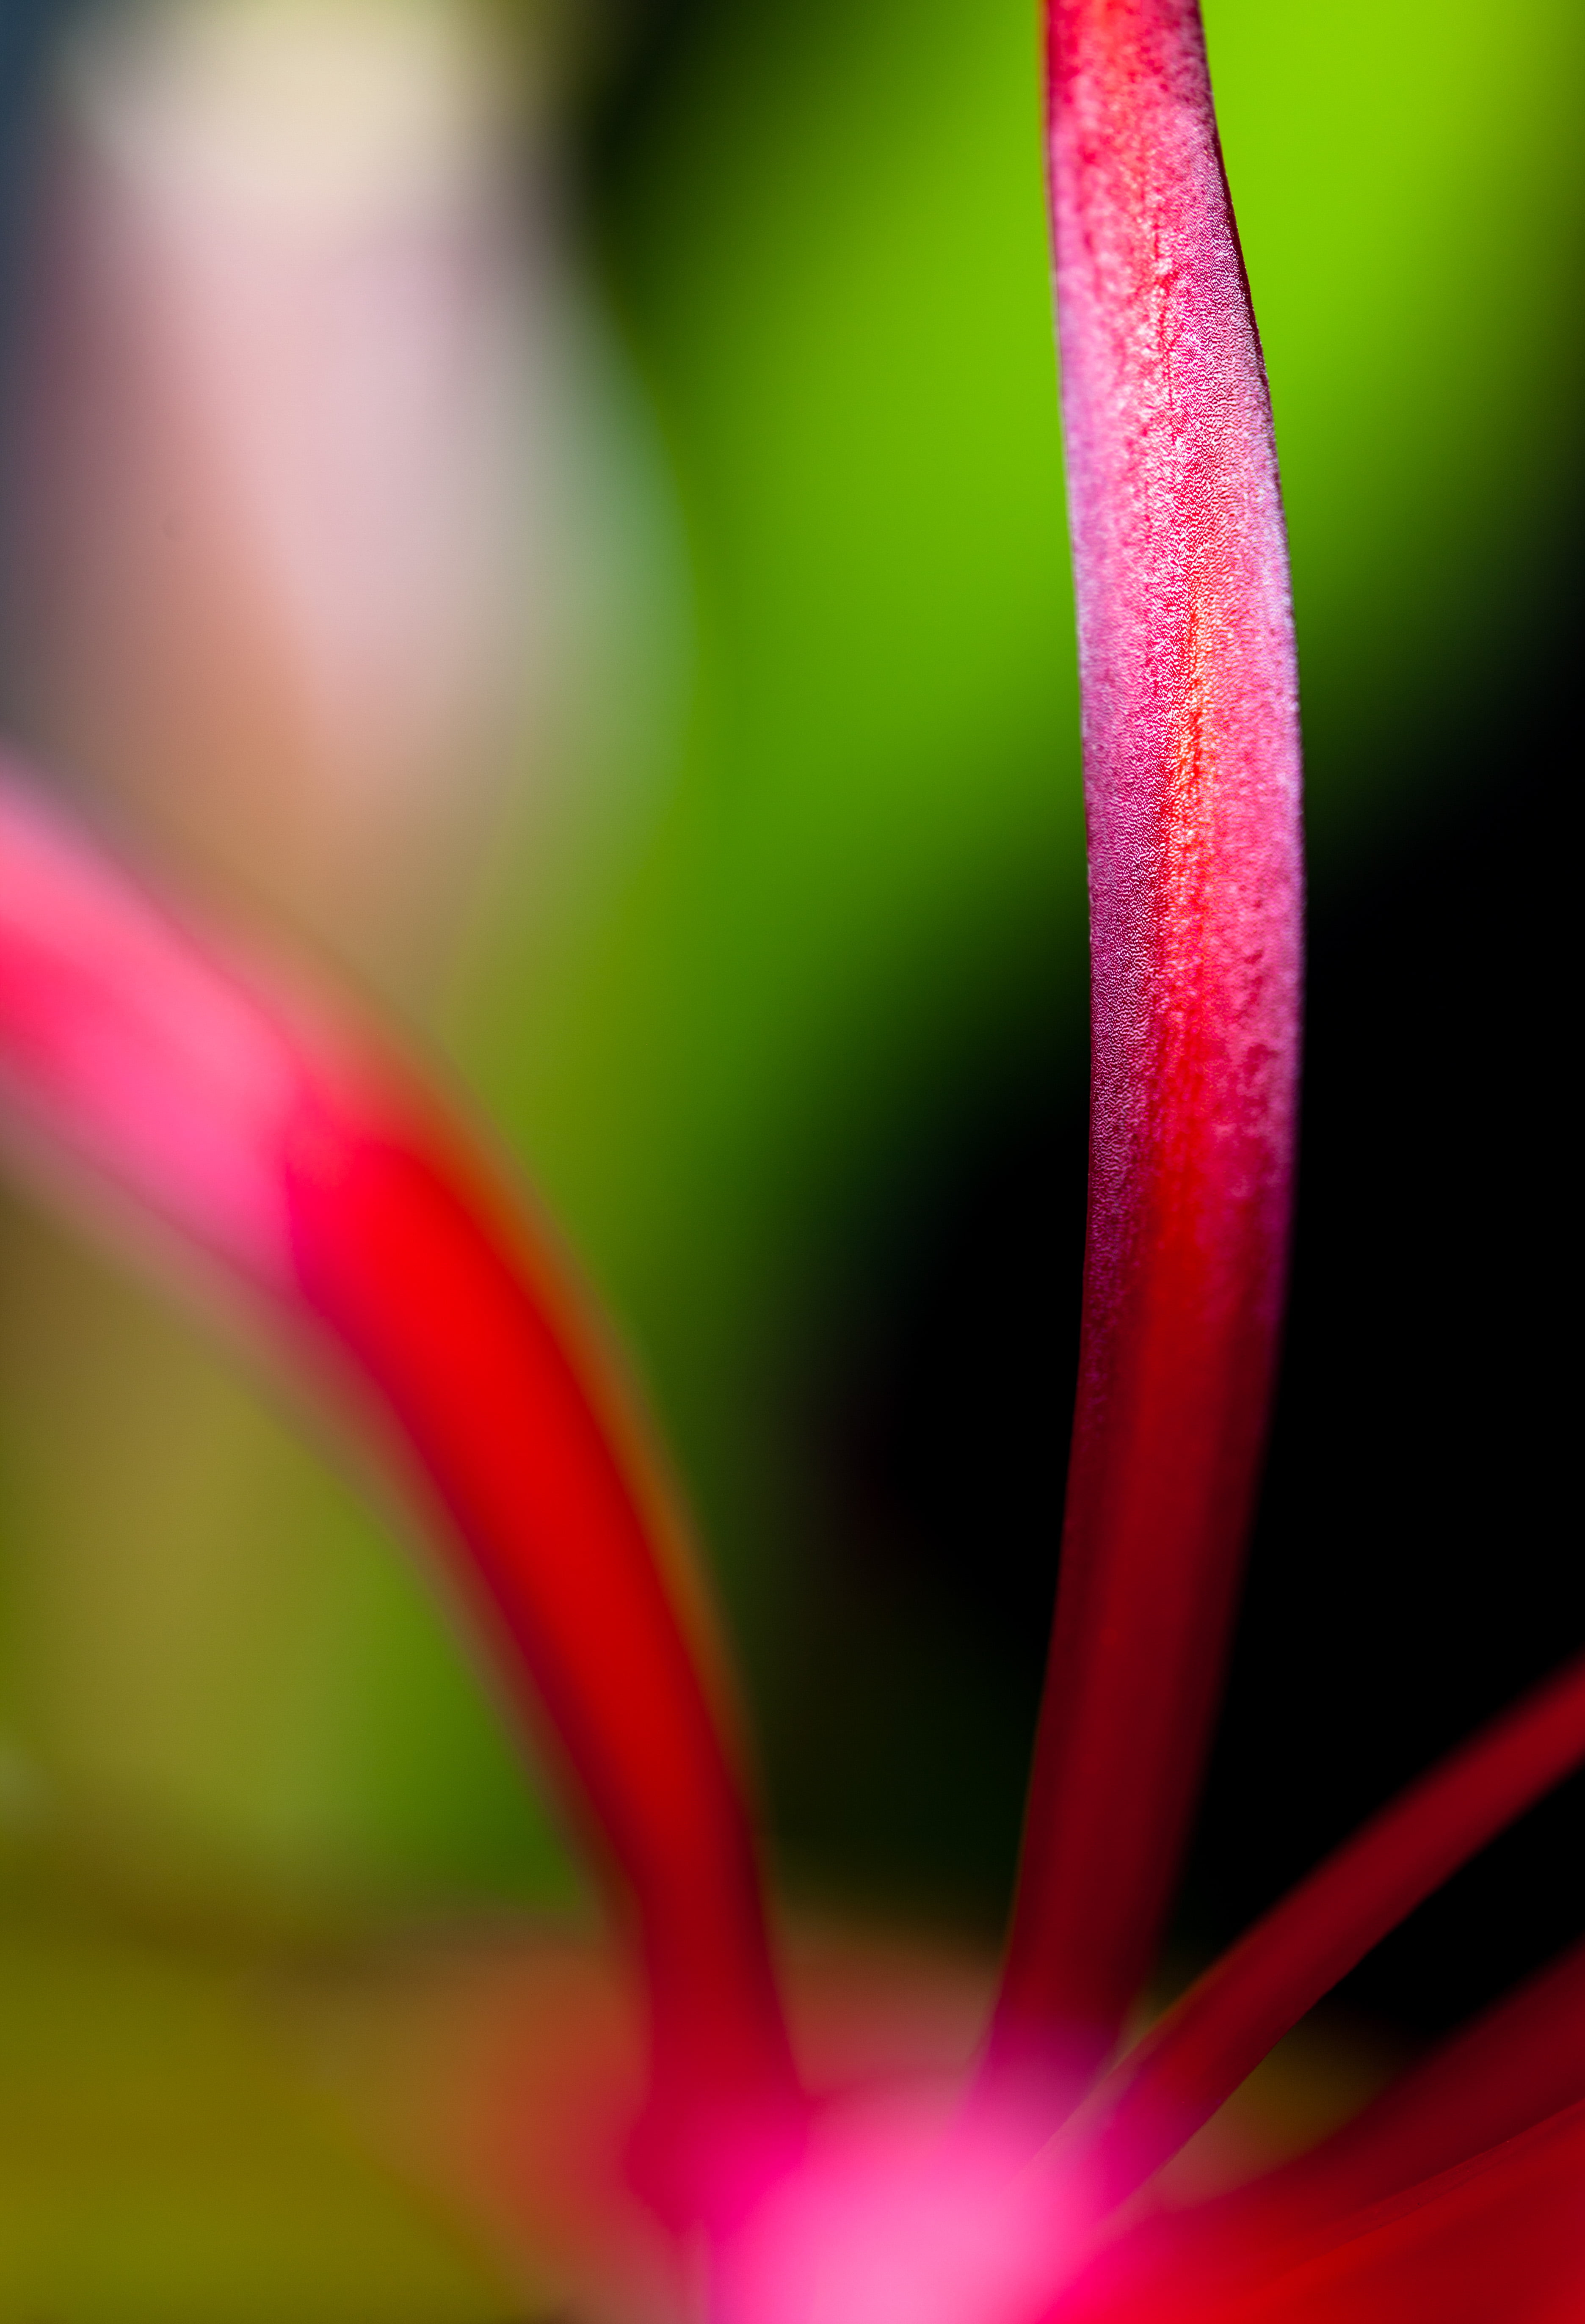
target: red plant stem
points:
(311, 1175)
(455, 1321)
(1519, 2066)
(1521, 2061)
(1192, 791)
(1175, 2080)
(1492, 2240)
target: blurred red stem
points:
(1175, 2080)
(285, 1153)
(458, 1323)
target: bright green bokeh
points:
(860, 909)
(737, 1040)
(829, 256)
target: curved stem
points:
(458, 1322)
(1191, 789)
(1494, 2236)
(1175, 2080)
(323, 1180)
(1521, 2061)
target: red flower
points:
(314, 1168)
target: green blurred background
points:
(775, 990)
(782, 1007)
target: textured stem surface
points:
(1191, 789)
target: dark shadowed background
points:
(782, 1002)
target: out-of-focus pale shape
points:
(284, 462)
(894, 2216)
(285, 426)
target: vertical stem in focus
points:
(1191, 791)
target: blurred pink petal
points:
(118, 1040)
(285, 403)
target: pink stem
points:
(1191, 788)
(341, 1194)
(1492, 2240)
(1519, 2062)
(1496, 2238)
(1175, 2080)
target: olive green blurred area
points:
(169, 2154)
(740, 1038)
